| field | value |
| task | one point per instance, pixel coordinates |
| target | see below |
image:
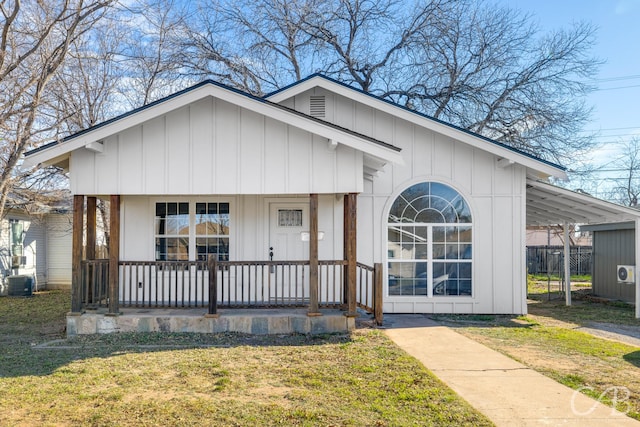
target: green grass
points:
(556, 277)
(548, 340)
(222, 379)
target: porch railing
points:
(238, 284)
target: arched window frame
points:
(429, 242)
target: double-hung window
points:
(191, 231)
(212, 231)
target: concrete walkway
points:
(507, 392)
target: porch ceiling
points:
(550, 205)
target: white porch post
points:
(637, 276)
(567, 264)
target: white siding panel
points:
(483, 241)
(503, 255)
(250, 246)
(35, 249)
(83, 177)
(403, 138)
(326, 224)
(107, 167)
(202, 122)
(178, 151)
(154, 156)
(364, 119)
(299, 161)
(422, 152)
(482, 173)
(463, 166)
(251, 152)
(137, 216)
(59, 239)
(275, 157)
(227, 132)
(443, 157)
(504, 180)
(130, 160)
(344, 112)
(323, 166)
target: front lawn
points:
(203, 379)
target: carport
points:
(550, 205)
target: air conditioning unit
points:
(626, 274)
(20, 286)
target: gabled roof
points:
(57, 151)
(537, 166)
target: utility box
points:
(20, 286)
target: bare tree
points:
(150, 56)
(34, 40)
(484, 68)
(489, 70)
(627, 190)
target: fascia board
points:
(542, 169)
(261, 107)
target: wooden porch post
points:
(377, 293)
(114, 254)
(90, 249)
(91, 228)
(313, 256)
(76, 254)
(350, 227)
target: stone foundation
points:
(258, 322)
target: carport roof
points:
(549, 204)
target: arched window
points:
(429, 242)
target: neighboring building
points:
(36, 245)
(211, 171)
(554, 236)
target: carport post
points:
(637, 276)
(567, 264)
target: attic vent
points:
(316, 106)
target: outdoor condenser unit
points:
(626, 274)
(20, 286)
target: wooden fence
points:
(550, 260)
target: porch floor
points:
(250, 321)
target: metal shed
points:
(613, 246)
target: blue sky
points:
(616, 112)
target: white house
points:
(36, 246)
(315, 176)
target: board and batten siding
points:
(214, 147)
(496, 195)
(249, 224)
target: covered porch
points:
(253, 296)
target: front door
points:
(288, 223)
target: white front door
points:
(288, 222)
